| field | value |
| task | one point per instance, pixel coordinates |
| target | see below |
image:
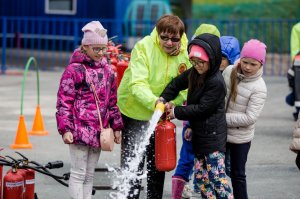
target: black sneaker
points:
(298, 160)
(295, 116)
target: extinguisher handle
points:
(23, 156)
(55, 164)
(67, 176)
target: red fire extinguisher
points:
(165, 146)
(29, 181)
(121, 67)
(13, 185)
(29, 184)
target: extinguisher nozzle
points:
(160, 106)
(54, 165)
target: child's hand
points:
(169, 106)
(68, 138)
(188, 134)
(118, 137)
(170, 114)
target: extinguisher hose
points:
(6, 162)
(48, 173)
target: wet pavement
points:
(271, 170)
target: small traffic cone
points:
(21, 140)
(38, 123)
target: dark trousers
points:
(238, 159)
(185, 163)
(134, 134)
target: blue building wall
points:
(111, 9)
(102, 10)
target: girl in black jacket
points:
(206, 114)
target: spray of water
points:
(122, 178)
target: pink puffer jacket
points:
(76, 105)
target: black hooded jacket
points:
(205, 109)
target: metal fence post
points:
(3, 60)
(75, 34)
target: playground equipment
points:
(21, 140)
(140, 18)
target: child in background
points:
(77, 115)
(295, 145)
(245, 99)
(206, 115)
(230, 47)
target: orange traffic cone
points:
(38, 123)
(21, 140)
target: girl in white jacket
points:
(246, 95)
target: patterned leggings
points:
(210, 176)
(83, 162)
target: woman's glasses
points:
(198, 63)
(173, 39)
(98, 49)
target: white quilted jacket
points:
(242, 114)
(295, 145)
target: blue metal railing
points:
(52, 40)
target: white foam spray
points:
(122, 179)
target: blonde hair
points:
(82, 50)
(234, 82)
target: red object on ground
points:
(165, 146)
(13, 185)
(29, 183)
(121, 67)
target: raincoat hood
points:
(206, 28)
(212, 46)
(230, 47)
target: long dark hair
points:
(196, 81)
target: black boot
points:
(298, 160)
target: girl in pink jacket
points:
(77, 116)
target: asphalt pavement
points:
(271, 170)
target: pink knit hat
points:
(254, 49)
(94, 33)
(197, 51)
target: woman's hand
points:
(188, 134)
(68, 138)
(118, 137)
(160, 100)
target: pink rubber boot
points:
(177, 187)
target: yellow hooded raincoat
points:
(149, 71)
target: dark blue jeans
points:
(186, 160)
(238, 159)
